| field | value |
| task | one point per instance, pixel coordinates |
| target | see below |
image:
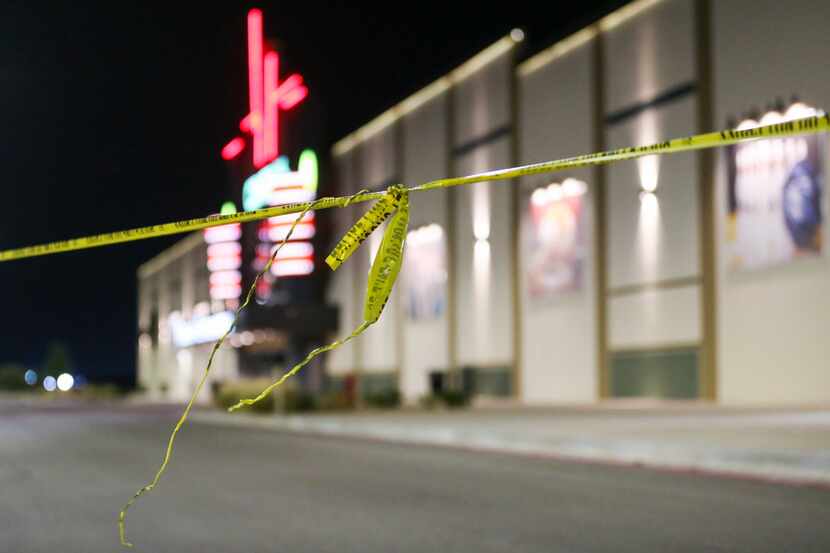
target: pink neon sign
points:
(266, 98)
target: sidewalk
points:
(786, 445)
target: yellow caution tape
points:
(382, 275)
(177, 227)
(364, 226)
(388, 260)
(387, 263)
(819, 123)
(122, 516)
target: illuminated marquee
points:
(267, 97)
(274, 182)
(224, 258)
(277, 184)
(199, 330)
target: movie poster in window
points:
(554, 239)
(775, 196)
(425, 273)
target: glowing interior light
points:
(65, 382)
(303, 231)
(224, 278)
(49, 384)
(517, 35)
(293, 267)
(233, 148)
(225, 233)
(255, 84)
(228, 208)
(223, 249)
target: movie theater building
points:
(698, 276)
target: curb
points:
(745, 471)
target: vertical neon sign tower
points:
(267, 96)
(273, 182)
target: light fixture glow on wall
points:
(481, 212)
(649, 169)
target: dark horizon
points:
(115, 116)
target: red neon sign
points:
(233, 148)
(266, 97)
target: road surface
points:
(66, 471)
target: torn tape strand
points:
(387, 262)
(382, 276)
(358, 232)
(122, 516)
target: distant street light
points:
(65, 382)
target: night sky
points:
(112, 116)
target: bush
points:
(229, 394)
(451, 398)
(455, 398)
(385, 399)
(296, 401)
(100, 391)
(286, 399)
(335, 401)
(11, 378)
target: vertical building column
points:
(358, 283)
(600, 229)
(706, 190)
(188, 284)
(400, 339)
(515, 220)
(452, 302)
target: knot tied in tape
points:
(364, 226)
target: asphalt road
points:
(65, 472)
